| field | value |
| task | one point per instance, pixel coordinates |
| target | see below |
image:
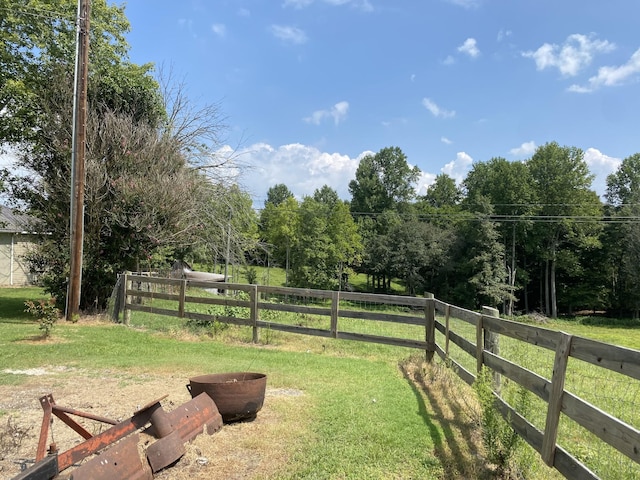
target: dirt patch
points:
(259, 448)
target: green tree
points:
(443, 192)
(383, 181)
(384, 185)
(277, 194)
(280, 229)
(346, 242)
(508, 188)
(377, 236)
(228, 230)
(622, 235)
(39, 38)
(418, 250)
(326, 196)
(561, 184)
(327, 243)
(143, 198)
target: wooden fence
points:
(488, 327)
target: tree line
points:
(520, 236)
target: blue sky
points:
(309, 86)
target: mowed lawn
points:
(364, 411)
(360, 418)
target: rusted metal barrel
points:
(238, 395)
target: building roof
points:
(11, 221)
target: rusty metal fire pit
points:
(238, 395)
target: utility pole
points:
(76, 223)
(226, 262)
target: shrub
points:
(500, 440)
(46, 312)
(251, 274)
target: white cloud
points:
(302, 168)
(219, 29)
(470, 47)
(524, 150)
(458, 168)
(338, 112)
(612, 76)
(599, 161)
(601, 166)
(502, 34)
(449, 60)
(435, 110)
(575, 54)
(445, 140)
(425, 180)
(244, 12)
(288, 34)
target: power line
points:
(474, 217)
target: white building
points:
(15, 241)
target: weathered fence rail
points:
(488, 326)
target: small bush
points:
(46, 312)
(251, 274)
(500, 440)
(214, 325)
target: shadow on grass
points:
(453, 431)
(596, 321)
(12, 311)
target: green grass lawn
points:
(276, 276)
(366, 418)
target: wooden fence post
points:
(127, 299)
(253, 313)
(563, 348)
(183, 296)
(479, 344)
(335, 308)
(446, 340)
(430, 325)
(492, 343)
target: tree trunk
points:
(286, 271)
(546, 288)
(552, 289)
(512, 276)
(525, 286)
